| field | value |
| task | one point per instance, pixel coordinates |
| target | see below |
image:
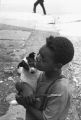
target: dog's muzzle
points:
(32, 70)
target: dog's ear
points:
(32, 55)
(20, 64)
(23, 64)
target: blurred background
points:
(54, 7)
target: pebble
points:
(13, 102)
(1, 81)
(10, 78)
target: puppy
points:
(28, 63)
(28, 78)
(27, 71)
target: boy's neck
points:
(53, 74)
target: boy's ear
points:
(59, 65)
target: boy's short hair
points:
(62, 47)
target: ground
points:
(15, 43)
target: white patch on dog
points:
(30, 78)
(25, 60)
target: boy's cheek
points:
(37, 65)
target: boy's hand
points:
(30, 100)
(21, 101)
(25, 101)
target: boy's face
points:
(45, 59)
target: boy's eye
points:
(41, 57)
(38, 55)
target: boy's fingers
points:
(29, 100)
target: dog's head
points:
(28, 63)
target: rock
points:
(10, 78)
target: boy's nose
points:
(38, 58)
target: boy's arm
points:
(50, 112)
(36, 113)
(54, 109)
(57, 107)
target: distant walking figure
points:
(41, 2)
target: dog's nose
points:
(32, 70)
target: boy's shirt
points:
(57, 107)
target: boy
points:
(57, 52)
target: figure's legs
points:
(42, 5)
(35, 5)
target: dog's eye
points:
(31, 63)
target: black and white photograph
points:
(40, 60)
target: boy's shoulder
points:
(60, 86)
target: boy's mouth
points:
(37, 65)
